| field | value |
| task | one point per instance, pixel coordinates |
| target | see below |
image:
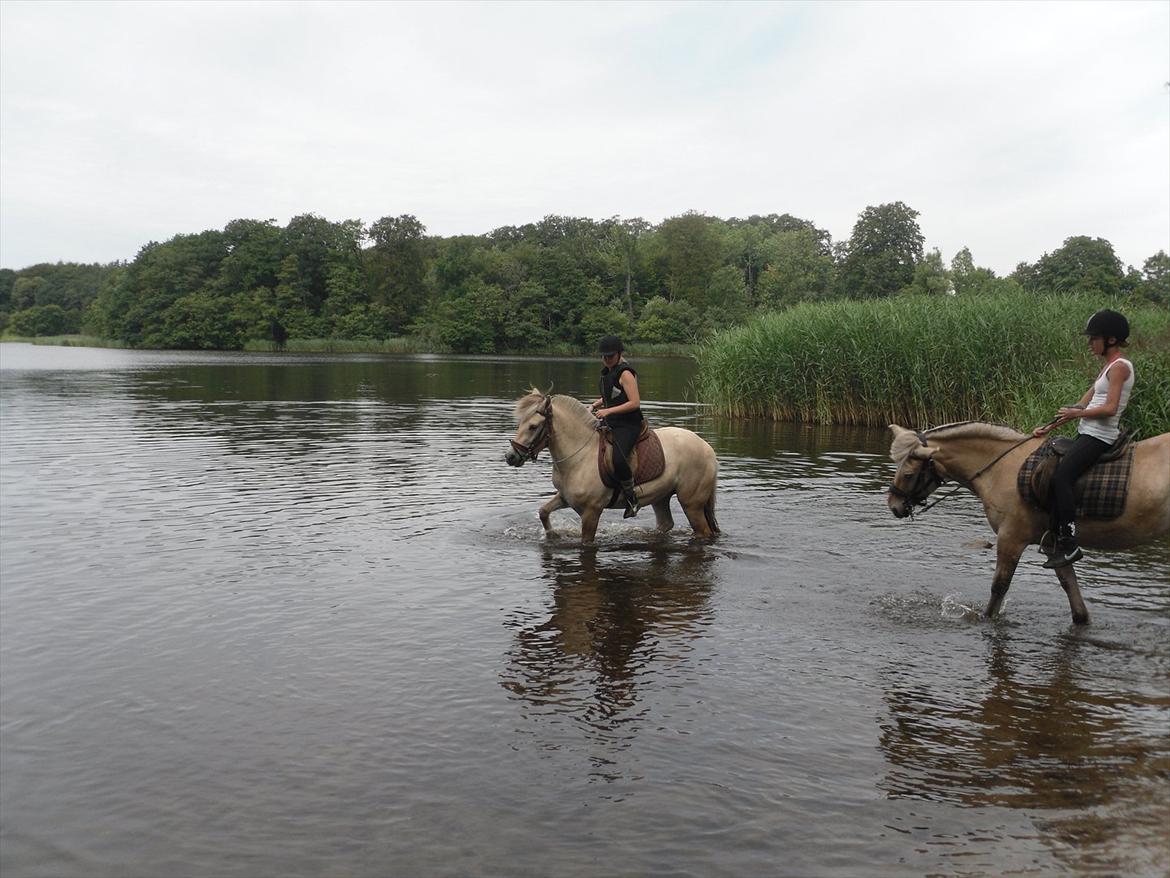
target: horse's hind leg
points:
(698, 518)
(1068, 581)
(662, 515)
(551, 505)
(709, 513)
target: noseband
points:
(926, 480)
(542, 438)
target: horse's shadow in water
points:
(1034, 740)
(614, 627)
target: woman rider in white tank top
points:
(1098, 411)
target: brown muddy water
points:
(293, 615)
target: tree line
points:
(559, 283)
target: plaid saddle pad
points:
(648, 463)
(1100, 492)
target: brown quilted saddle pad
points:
(648, 463)
(1100, 491)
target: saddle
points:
(1100, 492)
(647, 461)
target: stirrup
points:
(1047, 544)
(1064, 557)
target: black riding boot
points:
(1066, 551)
(631, 498)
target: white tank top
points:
(1106, 429)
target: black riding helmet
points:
(1108, 324)
(611, 344)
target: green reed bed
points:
(924, 361)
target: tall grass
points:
(925, 360)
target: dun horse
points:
(985, 459)
(569, 431)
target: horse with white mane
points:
(569, 431)
(986, 458)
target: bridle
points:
(543, 436)
(928, 473)
(926, 480)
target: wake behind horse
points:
(569, 431)
(986, 458)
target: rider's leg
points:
(1073, 463)
(624, 440)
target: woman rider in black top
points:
(620, 407)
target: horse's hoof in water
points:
(1081, 620)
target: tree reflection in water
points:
(619, 630)
(1091, 766)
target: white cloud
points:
(1008, 126)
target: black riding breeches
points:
(1083, 454)
(625, 437)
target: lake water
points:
(293, 615)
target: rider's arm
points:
(1065, 414)
(630, 384)
(1118, 373)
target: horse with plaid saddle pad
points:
(1100, 492)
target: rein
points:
(929, 468)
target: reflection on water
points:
(271, 614)
(614, 625)
(1040, 731)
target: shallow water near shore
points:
(288, 614)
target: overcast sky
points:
(1008, 126)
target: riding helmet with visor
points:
(609, 346)
(1108, 324)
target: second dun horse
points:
(569, 431)
(986, 458)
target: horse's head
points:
(534, 426)
(917, 476)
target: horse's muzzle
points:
(513, 459)
(898, 506)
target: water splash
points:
(953, 608)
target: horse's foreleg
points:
(590, 516)
(552, 505)
(1007, 556)
(1068, 581)
(662, 516)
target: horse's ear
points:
(922, 452)
(897, 431)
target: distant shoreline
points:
(358, 346)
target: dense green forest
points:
(554, 285)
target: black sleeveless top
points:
(613, 394)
